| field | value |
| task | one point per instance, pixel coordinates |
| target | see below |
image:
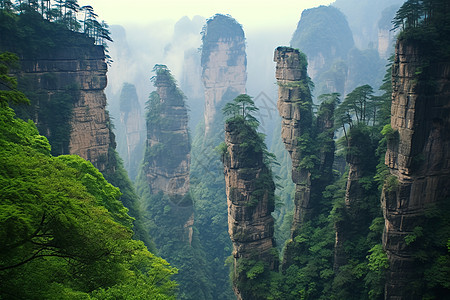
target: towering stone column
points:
(418, 157)
(167, 156)
(251, 200)
(294, 106)
(224, 64)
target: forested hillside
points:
(64, 232)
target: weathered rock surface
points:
(290, 75)
(250, 198)
(81, 71)
(418, 157)
(224, 64)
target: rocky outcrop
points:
(224, 64)
(296, 120)
(134, 130)
(418, 157)
(66, 86)
(250, 198)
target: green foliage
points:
(166, 217)
(425, 22)
(62, 226)
(307, 269)
(8, 91)
(391, 183)
(210, 205)
(241, 107)
(253, 278)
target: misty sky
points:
(250, 13)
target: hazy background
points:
(168, 32)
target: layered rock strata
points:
(250, 198)
(77, 72)
(418, 157)
(291, 78)
(224, 64)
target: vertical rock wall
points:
(418, 157)
(80, 71)
(224, 64)
(291, 76)
(250, 198)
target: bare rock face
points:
(224, 64)
(78, 72)
(131, 119)
(418, 157)
(250, 198)
(291, 77)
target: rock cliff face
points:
(291, 77)
(79, 73)
(224, 64)
(134, 130)
(418, 157)
(250, 198)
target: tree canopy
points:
(241, 107)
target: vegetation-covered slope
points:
(64, 232)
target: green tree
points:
(241, 107)
(8, 84)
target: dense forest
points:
(350, 199)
